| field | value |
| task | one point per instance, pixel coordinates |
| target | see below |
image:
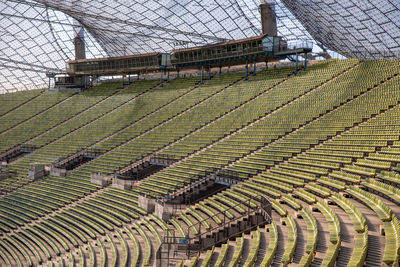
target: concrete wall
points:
(100, 179)
(147, 203)
(122, 184)
(163, 211)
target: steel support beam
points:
(202, 74)
(305, 61)
(247, 70)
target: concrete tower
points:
(79, 37)
(268, 18)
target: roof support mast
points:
(79, 38)
(79, 42)
(268, 18)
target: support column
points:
(247, 70)
(123, 81)
(305, 61)
(168, 76)
(209, 73)
(255, 69)
(220, 70)
(79, 32)
(178, 74)
(297, 62)
(161, 79)
(202, 74)
(79, 44)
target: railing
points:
(125, 177)
(217, 175)
(17, 150)
(87, 152)
(198, 179)
(228, 176)
(28, 148)
(298, 44)
(132, 164)
(163, 160)
(202, 57)
(264, 208)
(9, 152)
(5, 172)
(165, 156)
(171, 245)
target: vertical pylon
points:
(268, 17)
(79, 37)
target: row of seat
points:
(187, 101)
(92, 224)
(360, 253)
(99, 129)
(236, 146)
(11, 101)
(261, 88)
(56, 115)
(80, 222)
(117, 102)
(32, 108)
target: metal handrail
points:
(204, 57)
(193, 244)
(254, 210)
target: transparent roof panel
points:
(37, 35)
(370, 27)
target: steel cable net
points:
(37, 35)
(130, 27)
(34, 40)
(354, 28)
